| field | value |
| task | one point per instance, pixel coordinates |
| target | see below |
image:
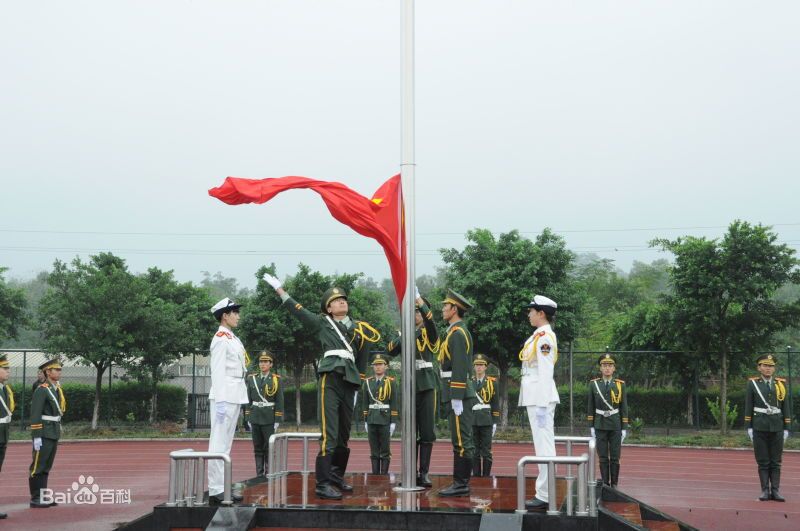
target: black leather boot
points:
(614, 475)
(376, 465)
(35, 486)
(476, 467)
(604, 473)
(763, 476)
(461, 472)
(323, 472)
(260, 465)
(338, 466)
(425, 450)
(775, 483)
(385, 466)
(487, 466)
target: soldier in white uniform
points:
(538, 391)
(228, 392)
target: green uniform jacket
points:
(775, 397)
(8, 398)
(455, 358)
(359, 334)
(619, 401)
(486, 391)
(382, 396)
(262, 389)
(44, 404)
(427, 347)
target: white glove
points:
(541, 417)
(458, 406)
(624, 434)
(366, 427)
(250, 426)
(276, 425)
(494, 429)
(416, 293)
(355, 399)
(37, 443)
(750, 433)
(220, 407)
(392, 426)
(785, 434)
(591, 430)
(271, 280)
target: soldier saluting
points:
(264, 410)
(380, 409)
(48, 405)
(486, 413)
(458, 393)
(345, 346)
(607, 414)
(427, 346)
(766, 416)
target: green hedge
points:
(126, 397)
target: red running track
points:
(710, 489)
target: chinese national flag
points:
(379, 217)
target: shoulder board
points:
(540, 334)
(221, 334)
(277, 375)
(370, 377)
(44, 385)
(618, 380)
(594, 379)
(754, 378)
(491, 378)
(780, 379)
(390, 378)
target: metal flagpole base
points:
(408, 489)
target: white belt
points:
(424, 365)
(772, 410)
(379, 406)
(476, 407)
(6, 420)
(50, 417)
(263, 404)
(446, 374)
(342, 353)
(607, 412)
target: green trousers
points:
(482, 435)
(379, 440)
(461, 430)
(44, 458)
(335, 398)
(768, 447)
(261, 434)
(426, 416)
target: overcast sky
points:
(597, 118)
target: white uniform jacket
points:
(538, 358)
(228, 368)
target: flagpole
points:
(408, 326)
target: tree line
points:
(715, 303)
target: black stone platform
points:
(289, 502)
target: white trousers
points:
(544, 444)
(220, 441)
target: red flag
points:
(379, 217)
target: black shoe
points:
(36, 504)
(385, 466)
(775, 495)
(216, 500)
(328, 492)
(376, 465)
(237, 497)
(764, 495)
(424, 480)
(536, 505)
(456, 489)
(3, 516)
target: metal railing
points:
(279, 452)
(586, 493)
(186, 482)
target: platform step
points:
(628, 510)
(661, 525)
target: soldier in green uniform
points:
(457, 391)
(766, 415)
(607, 414)
(345, 352)
(379, 403)
(47, 407)
(264, 410)
(486, 413)
(6, 409)
(427, 346)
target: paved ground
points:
(711, 489)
